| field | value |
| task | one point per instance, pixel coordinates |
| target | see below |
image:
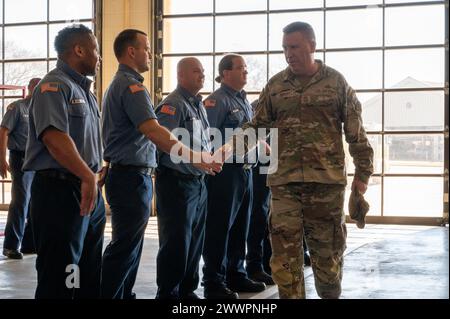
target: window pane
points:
(277, 21)
(7, 192)
(232, 36)
(71, 10)
(345, 3)
(375, 142)
(414, 68)
(239, 5)
(185, 35)
(294, 4)
(414, 154)
(277, 62)
(413, 196)
(342, 34)
(257, 71)
(187, 6)
(26, 42)
(372, 195)
(420, 111)
(51, 65)
(252, 97)
(1, 41)
(170, 73)
(25, 11)
(402, 27)
(371, 110)
(403, 1)
(362, 69)
(15, 94)
(21, 73)
(54, 29)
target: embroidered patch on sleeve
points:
(134, 88)
(209, 103)
(167, 109)
(49, 87)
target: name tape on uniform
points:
(77, 101)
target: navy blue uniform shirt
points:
(63, 100)
(180, 109)
(16, 121)
(126, 105)
(228, 108)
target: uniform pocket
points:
(78, 110)
(234, 118)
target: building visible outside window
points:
(392, 53)
(27, 32)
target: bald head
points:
(187, 63)
(190, 74)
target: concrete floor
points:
(382, 262)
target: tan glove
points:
(358, 208)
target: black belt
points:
(132, 168)
(241, 165)
(165, 170)
(21, 153)
(54, 173)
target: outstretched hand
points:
(208, 164)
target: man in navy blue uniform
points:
(64, 149)
(14, 134)
(230, 193)
(181, 195)
(258, 242)
(131, 134)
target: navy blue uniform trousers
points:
(258, 243)
(65, 239)
(181, 202)
(230, 195)
(18, 229)
(129, 195)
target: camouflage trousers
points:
(315, 211)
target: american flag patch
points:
(49, 87)
(136, 88)
(209, 103)
(167, 109)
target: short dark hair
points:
(67, 37)
(125, 39)
(33, 82)
(299, 26)
(226, 64)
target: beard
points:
(89, 69)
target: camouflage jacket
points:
(310, 119)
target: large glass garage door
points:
(392, 52)
(27, 31)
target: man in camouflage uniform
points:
(308, 102)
